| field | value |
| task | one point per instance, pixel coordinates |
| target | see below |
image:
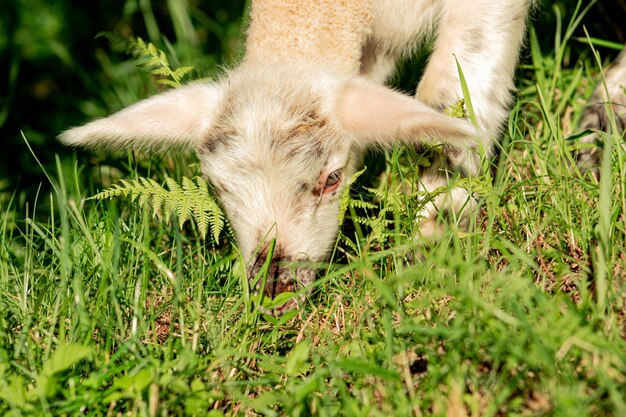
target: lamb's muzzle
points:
(279, 275)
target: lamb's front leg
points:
(611, 92)
(485, 37)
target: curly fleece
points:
(309, 31)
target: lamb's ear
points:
(379, 116)
(176, 118)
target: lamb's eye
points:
(332, 181)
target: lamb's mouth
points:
(281, 279)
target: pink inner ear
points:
(380, 116)
(176, 118)
(375, 109)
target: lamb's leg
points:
(377, 63)
(485, 37)
(595, 116)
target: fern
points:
(374, 217)
(385, 205)
(345, 200)
(151, 57)
(189, 201)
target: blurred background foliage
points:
(55, 73)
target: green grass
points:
(106, 309)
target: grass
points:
(106, 309)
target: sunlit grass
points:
(107, 309)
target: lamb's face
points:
(279, 166)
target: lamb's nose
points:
(279, 278)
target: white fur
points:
(306, 100)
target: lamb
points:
(279, 136)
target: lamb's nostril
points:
(279, 279)
(271, 280)
(278, 285)
(278, 276)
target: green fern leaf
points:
(149, 56)
(362, 204)
(184, 210)
(167, 82)
(161, 71)
(344, 202)
(189, 201)
(180, 72)
(168, 204)
(348, 242)
(158, 196)
(139, 43)
(114, 38)
(202, 207)
(217, 221)
(201, 216)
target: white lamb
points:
(279, 136)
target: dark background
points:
(54, 73)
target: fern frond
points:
(362, 204)
(149, 57)
(216, 220)
(180, 72)
(114, 38)
(168, 203)
(161, 71)
(344, 202)
(348, 242)
(190, 201)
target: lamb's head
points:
(279, 161)
(279, 148)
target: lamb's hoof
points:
(453, 207)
